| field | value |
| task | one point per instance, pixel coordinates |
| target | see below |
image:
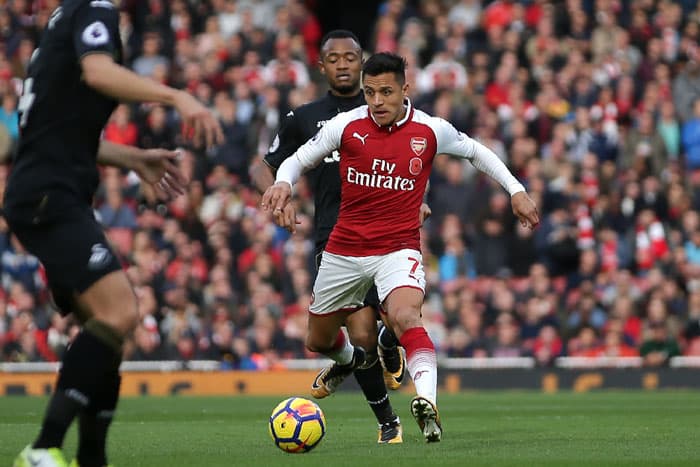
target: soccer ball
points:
(297, 425)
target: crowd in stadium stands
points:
(594, 104)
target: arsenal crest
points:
(418, 145)
(415, 166)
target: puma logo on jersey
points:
(361, 138)
(100, 256)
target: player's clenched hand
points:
(524, 207)
(158, 168)
(276, 198)
(198, 121)
(287, 218)
(425, 212)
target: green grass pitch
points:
(486, 428)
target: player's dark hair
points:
(386, 62)
(339, 34)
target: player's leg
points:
(400, 283)
(80, 264)
(362, 328)
(339, 289)
(94, 421)
(391, 357)
(114, 310)
(403, 310)
(326, 337)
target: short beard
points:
(345, 89)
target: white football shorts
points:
(343, 281)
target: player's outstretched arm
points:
(156, 167)
(102, 73)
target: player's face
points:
(341, 63)
(385, 95)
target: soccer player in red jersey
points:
(386, 153)
(341, 64)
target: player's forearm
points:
(488, 162)
(290, 170)
(262, 176)
(103, 74)
(117, 155)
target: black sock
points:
(371, 381)
(87, 364)
(94, 423)
(60, 413)
(387, 339)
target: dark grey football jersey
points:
(61, 118)
(299, 126)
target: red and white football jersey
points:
(384, 172)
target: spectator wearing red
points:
(623, 309)
(650, 241)
(308, 26)
(120, 129)
(499, 14)
(614, 346)
(547, 346)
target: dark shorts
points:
(72, 246)
(372, 297)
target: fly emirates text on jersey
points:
(381, 177)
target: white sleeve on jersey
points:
(311, 153)
(453, 142)
(290, 170)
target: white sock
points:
(343, 351)
(422, 366)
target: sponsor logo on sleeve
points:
(96, 34)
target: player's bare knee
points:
(123, 318)
(405, 318)
(314, 344)
(131, 318)
(363, 338)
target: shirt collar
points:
(409, 113)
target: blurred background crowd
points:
(593, 104)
